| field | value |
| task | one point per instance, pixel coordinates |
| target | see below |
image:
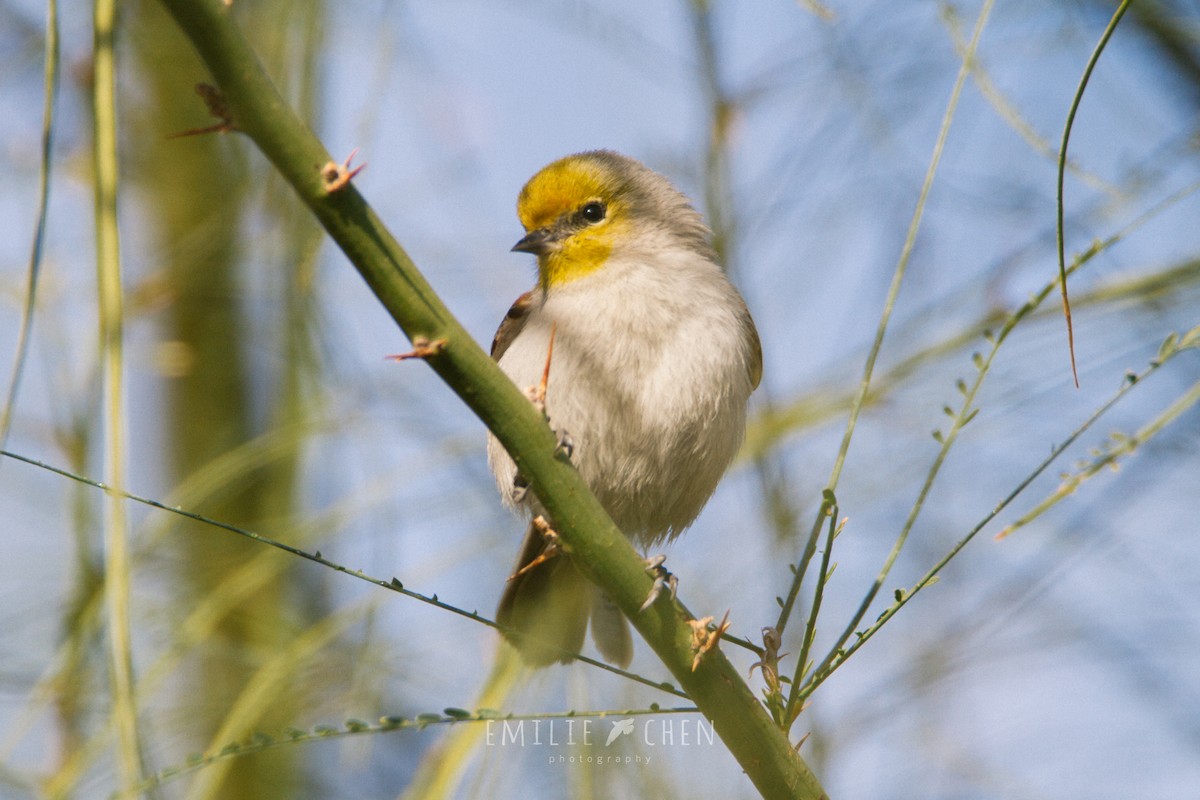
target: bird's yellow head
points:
(580, 210)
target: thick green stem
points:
(594, 542)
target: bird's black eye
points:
(593, 212)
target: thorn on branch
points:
(338, 176)
(215, 102)
(704, 640)
(423, 347)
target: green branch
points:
(256, 108)
(111, 315)
(259, 742)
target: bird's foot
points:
(662, 580)
(551, 550)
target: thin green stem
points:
(1118, 447)
(964, 415)
(889, 304)
(108, 268)
(390, 724)
(49, 92)
(840, 656)
(1062, 171)
(393, 584)
(810, 629)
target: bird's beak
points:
(539, 241)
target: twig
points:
(392, 585)
(1062, 168)
(839, 654)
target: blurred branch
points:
(594, 542)
(1175, 38)
(387, 724)
(769, 428)
(840, 652)
(49, 92)
(801, 568)
(1008, 111)
(108, 279)
(774, 481)
(1171, 347)
(1120, 445)
(393, 585)
(275, 677)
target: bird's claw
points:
(551, 550)
(564, 444)
(520, 488)
(662, 580)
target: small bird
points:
(654, 358)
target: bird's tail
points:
(546, 608)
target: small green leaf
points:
(1168, 347)
(937, 435)
(457, 713)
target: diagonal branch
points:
(598, 547)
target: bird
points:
(655, 356)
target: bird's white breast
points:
(650, 377)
